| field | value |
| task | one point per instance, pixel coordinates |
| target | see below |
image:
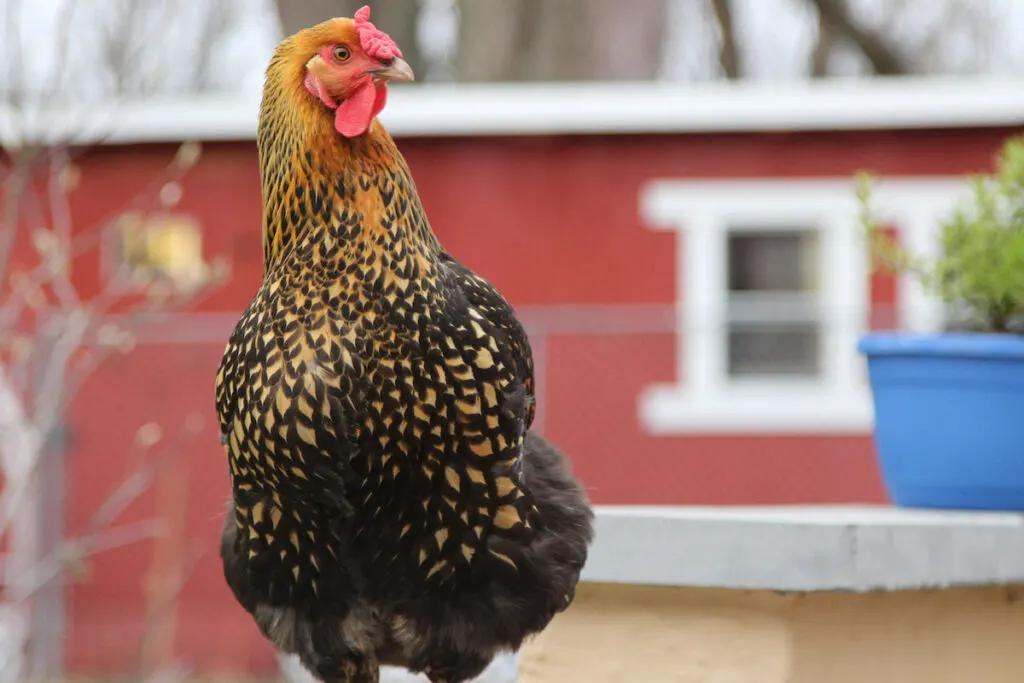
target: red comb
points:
(375, 42)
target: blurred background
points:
(710, 367)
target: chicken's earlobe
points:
(315, 85)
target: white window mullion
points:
(703, 339)
(846, 301)
(919, 310)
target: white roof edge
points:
(602, 108)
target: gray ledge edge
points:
(805, 548)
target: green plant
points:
(980, 267)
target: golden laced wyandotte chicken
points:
(389, 504)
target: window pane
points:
(773, 308)
(781, 261)
(788, 349)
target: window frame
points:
(702, 213)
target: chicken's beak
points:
(397, 70)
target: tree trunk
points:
(398, 18)
(728, 53)
(296, 15)
(822, 50)
(625, 40)
(560, 40)
(491, 40)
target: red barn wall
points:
(554, 223)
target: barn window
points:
(772, 296)
(773, 314)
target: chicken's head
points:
(350, 62)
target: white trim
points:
(666, 410)
(705, 400)
(575, 108)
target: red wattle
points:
(356, 112)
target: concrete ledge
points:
(806, 548)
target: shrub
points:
(980, 267)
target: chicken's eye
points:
(341, 53)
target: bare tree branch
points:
(216, 26)
(885, 59)
(45, 324)
(100, 534)
(65, 32)
(84, 239)
(15, 188)
(60, 213)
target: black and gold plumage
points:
(390, 505)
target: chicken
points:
(389, 503)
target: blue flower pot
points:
(949, 418)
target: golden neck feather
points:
(314, 179)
